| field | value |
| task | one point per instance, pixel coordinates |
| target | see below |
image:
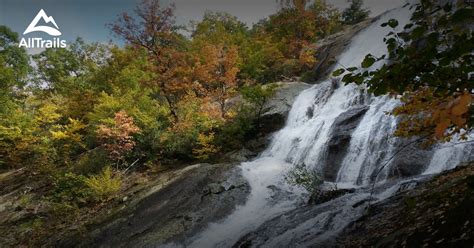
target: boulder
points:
(284, 97)
(436, 212)
(280, 105)
(241, 155)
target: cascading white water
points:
(370, 145)
(303, 141)
(448, 155)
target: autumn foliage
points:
(435, 115)
(216, 74)
(117, 139)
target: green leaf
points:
(393, 23)
(368, 61)
(418, 32)
(348, 78)
(462, 15)
(405, 36)
(338, 72)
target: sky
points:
(88, 18)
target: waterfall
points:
(305, 139)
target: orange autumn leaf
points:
(462, 104)
(117, 139)
(441, 128)
(459, 121)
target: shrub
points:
(205, 147)
(301, 176)
(64, 210)
(238, 130)
(104, 186)
(71, 188)
(257, 98)
(147, 113)
(91, 162)
(118, 139)
(195, 116)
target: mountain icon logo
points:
(47, 19)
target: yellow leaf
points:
(59, 135)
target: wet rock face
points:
(342, 130)
(280, 105)
(277, 110)
(410, 161)
(271, 121)
(319, 197)
(306, 226)
(438, 212)
(328, 49)
(202, 195)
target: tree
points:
(198, 120)
(64, 70)
(216, 72)
(219, 28)
(117, 139)
(258, 96)
(13, 57)
(156, 32)
(355, 13)
(14, 67)
(431, 68)
(16, 124)
(293, 4)
(295, 28)
(73, 73)
(261, 58)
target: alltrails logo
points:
(40, 42)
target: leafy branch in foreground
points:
(430, 69)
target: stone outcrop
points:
(437, 213)
(199, 195)
(280, 105)
(329, 48)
